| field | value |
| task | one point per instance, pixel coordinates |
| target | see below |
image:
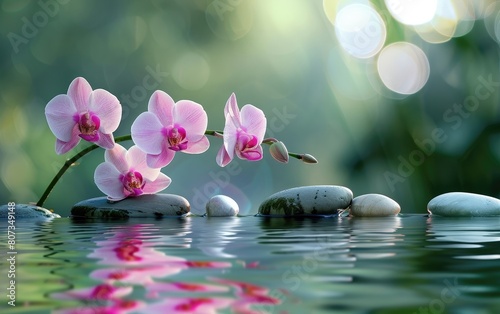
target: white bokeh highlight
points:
(360, 30)
(403, 68)
(412, 12)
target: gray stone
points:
(456, 204)
(144, 206)
(374, 205)
(26, 211)
(222, 206)
(307, 200)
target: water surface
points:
(405, 264)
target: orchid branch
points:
(278, 150)
(69, 163)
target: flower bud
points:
(279, 152)
(308, 159)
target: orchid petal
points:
(60, 113)
(254, 121)
(79, 91)
(106, 141)
(192, 117)
(198, 147)
(162, 105)
(107, 107)
(147, 133)
(230, 136)
(117, 157)
(63, 147)
(232, 109)
(223, 157)
(160, 160)
(107, 179)
(160, 183)
(137, 159)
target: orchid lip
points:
(133, 183)
(176, 137)
(90, 137)
(88, 125)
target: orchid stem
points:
(69, 163)
(214, 133)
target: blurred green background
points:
(280, 55)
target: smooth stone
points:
(144, 206)
(462, 204)
(222, 206)
(374, 205)
(27, 211)
(307, 200)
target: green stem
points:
(214, 133)
(294, 155)
(68, 164)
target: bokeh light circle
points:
(451, 19)
(491, 20)
(412, 12)
(191, 71)
(403, 68)
(360, 30)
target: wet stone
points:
(27, 211)
(144, 206)
(222, 206)
(462, 204)
(307, 201)
(374, 205)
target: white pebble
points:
(374, 205)
(222, 206)
(464, 204)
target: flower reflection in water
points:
(135, 265)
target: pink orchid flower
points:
(126, 174)
(168, 127)
(243, 132)
(83, 114)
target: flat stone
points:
(307, 201)
(374, 205)
(462, 204)
(222, 206)
(26, 211)
(144, 206)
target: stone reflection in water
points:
(374, 232)
(464, 230)
(135, 263)
(219, 237)
(467, 238)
